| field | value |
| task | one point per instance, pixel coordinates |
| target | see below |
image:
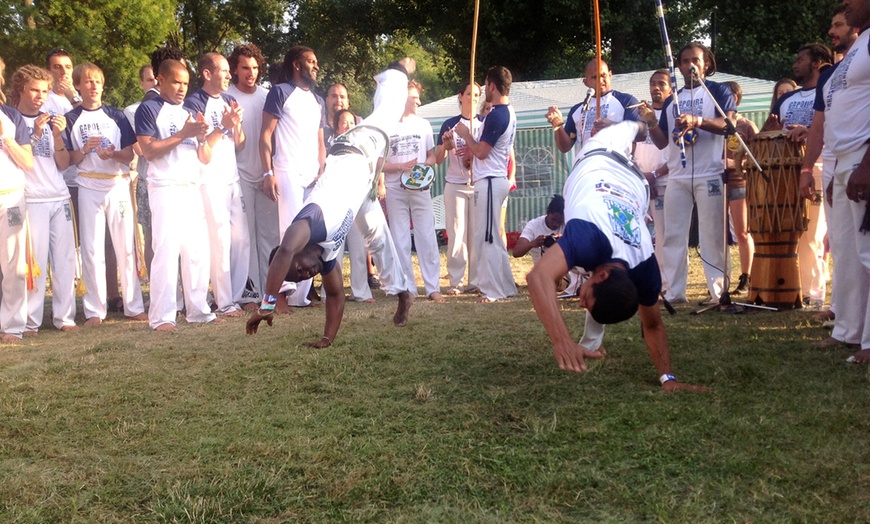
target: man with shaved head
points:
(173, 140)
(584, 119)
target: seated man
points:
(316, 235)
(539, 234)
(606, 200)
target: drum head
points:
(419, 178)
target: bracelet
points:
(328, 342)
(59, 150)
(270, 299)
(807, 170)
(224, 130)
(267, 173)
(654, 174)
(700, 121)
(667, 377)
(558, 124)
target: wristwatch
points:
(77, 99)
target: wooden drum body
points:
(777, 217)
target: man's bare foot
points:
(436, 297)
(454, 292)
(485, 300)
(861, 356)
(369, 301)
(234, 313)
(165, 328)
(403, 309)
(824, 315)
(141, 317)
(93, 321)
(30, 333)
(216, 320)
(250, 307)
(596, 353)
(832, 342)
(69, 329)
(9, 339)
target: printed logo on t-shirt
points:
(623, 222)
(341, 234)
(838, 79)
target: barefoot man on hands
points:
(316, 236)
(606, 198)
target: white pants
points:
(228, 242)
(459, 216)
(405, 206)
(657, 212)
(13, 264)
(53, 241)
(357, 256)
(292, 195)
(707, 192)
(852, 324)
(97, 211)
(811, 249)
(263, 236)
(494, 276)
(179, 233)
(378, 240)
(827, 177)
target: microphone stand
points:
(725, 303)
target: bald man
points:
(173, 140)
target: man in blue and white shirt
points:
(606, 199)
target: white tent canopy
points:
(531, 99)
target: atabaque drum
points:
(777, 217)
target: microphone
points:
(589, 92)
(693, 69)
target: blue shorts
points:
(736, 193)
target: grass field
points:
(462, 416)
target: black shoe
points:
(374, 283)
(742, 285)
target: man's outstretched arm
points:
(542, 288)
(656, 340)
(333, 284)
(295, 239)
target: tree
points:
(117, 35)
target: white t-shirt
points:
(160, 119)
(412, 139)
(847, 100)
(222, 168)
(248, 159)
(300, 113)
(648, 157)
(704, 157)
(14, 128)
(114, 128)
(614, 106)
(44, 182)
(602, 191)
(535, 228)
(59, 105)
(498, 130)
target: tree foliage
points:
(354, 39)
(117, 35)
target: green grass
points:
(462, 416)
